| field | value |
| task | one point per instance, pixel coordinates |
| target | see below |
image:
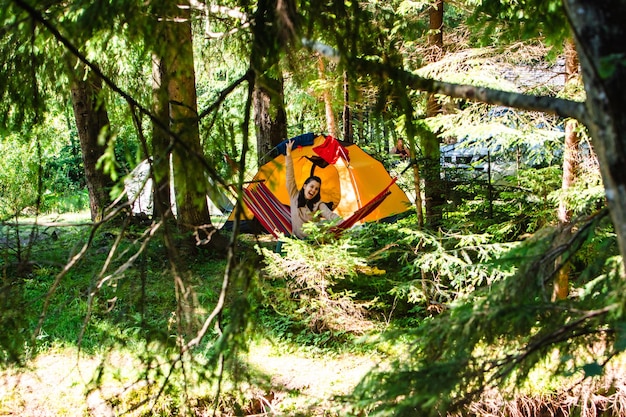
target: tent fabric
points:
(306, 139)
(138, 186)
(276, 218)
(346, 184)
(363, 211)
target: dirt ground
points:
(56, 384)
(317, 380)
(53, 385)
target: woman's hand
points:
(289, 146)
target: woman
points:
(400, 149)
(304, 203)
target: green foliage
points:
(522, 204)
(13, 339)
(64, 170)
(511, 20)
(64, 182)
(19, 176)
(40, 179)
(303, 285)
(450, 267)
(610, 63)
(516, 205)
(499, 333)
(478, 307)
(22, 98)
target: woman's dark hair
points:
(302, 201)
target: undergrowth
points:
(464, 303)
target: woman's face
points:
(311, 189)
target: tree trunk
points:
(92, 120)
(331, 124)
(599, 34)
(161, 141)
(190, 182)
(411, 134)
(433, 183)
(435, 34)
(270, 117)
(572, 140)
(348, 132)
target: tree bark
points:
(570, 169)
(435, 33)
(572, 139)
(190, 188)
(161, 141)
(270, 117)
(331, 124)
(190, 181)
(91, 121)
(599, 32)
(348, 131)
(433, 186)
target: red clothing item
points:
(331, 150)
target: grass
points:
(108, 344)
(120, 338)
(61, 380)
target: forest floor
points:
(294, 381)
(59, 381)
(310, 383)
(57, 384)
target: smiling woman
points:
(305, 203)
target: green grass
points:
(130, 315)
(114, 335)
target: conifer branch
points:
(385, 72)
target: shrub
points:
(303, 283)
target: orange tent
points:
(350, 176)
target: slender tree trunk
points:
(572, 139)
(270, 117)
(92, 120)
(161, 141)
(435, 34)
(348, 133)
(331, 124)
(411, 134)
(419, 205)
(190, 182)
(433, 183)
(570, 168)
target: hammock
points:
(275, 217)
(269, 211)
(363, 211)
